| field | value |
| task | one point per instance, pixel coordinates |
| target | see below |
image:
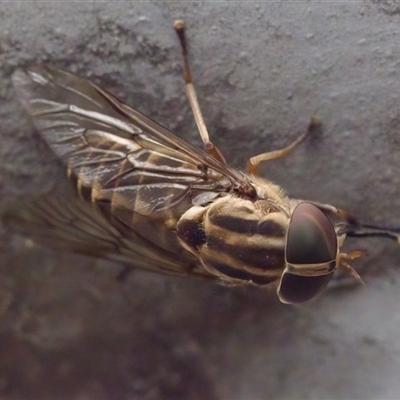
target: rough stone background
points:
(68, 330)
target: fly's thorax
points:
(238, 240)
(269, 190)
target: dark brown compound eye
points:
(311, 238)
(310, 253)
(295, 289)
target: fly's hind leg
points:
(254, 162)
(211, 149)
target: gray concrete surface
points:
(68, 330)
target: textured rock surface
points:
(69, 331)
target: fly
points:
(152, 200)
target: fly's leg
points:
(254, 162)
(211, 149)
(345, 266)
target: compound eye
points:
(295, 289)
(311, 238)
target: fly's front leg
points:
(254, 162)
(211, 149)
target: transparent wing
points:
(70, 224)
(122, 155)
(139, 177)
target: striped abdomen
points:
(237, 238)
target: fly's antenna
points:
(360, 230)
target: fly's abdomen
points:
(137, 199)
